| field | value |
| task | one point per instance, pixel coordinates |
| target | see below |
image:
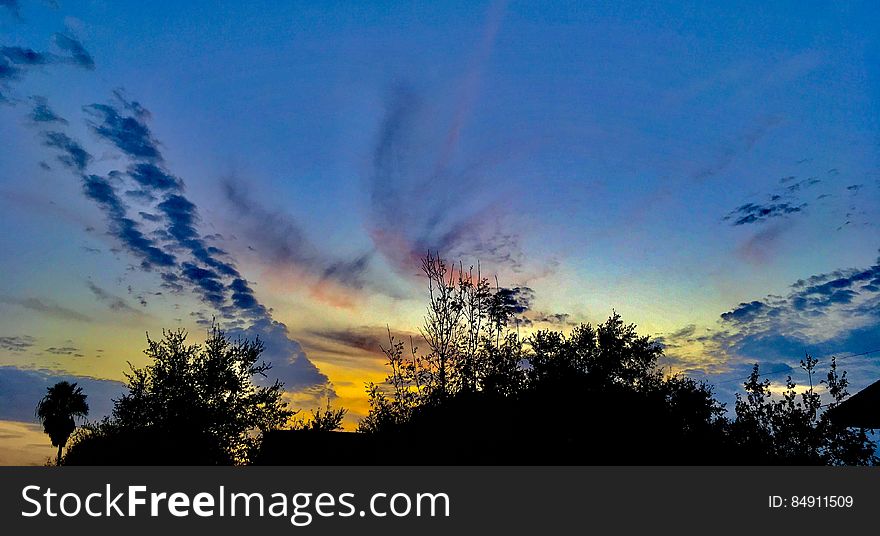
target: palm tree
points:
(56, 410)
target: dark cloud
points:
(182, 217)
(756, 213)
(152, 177)
(552, 318)
(16, 343)
(15, 60)
(208, 281)
(48, 309)
(42, 113)
(243, 297)
(24, 57)
(20, 389)
(515, 300)
(128, 133)
(78, 54)
(72, 154)
(806, 183)
(64, 350)
(99, 190)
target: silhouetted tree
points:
(794, 429)
(57, 410)
(481, 394)
(322, 420)
(197, 404)
(612, 355)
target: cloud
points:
(16, 343)
(551, 318)
(737, 147)
(72, 156)
(152, 177)
(48, 309)
(763, 245)
(16, 60)
(128, 133)
(426, 191)
(362, 339)
(21, 389)
(757, 213)
(64, 350)
(289, 363)
(128, 231)
(174, 248)
(115, 303)
(824, 311)
(42, 113)
(515, 300)
(281, 241)
(78, 54)
(420, 201)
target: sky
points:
(709, 171)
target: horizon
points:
(712, 178)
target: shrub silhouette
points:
(193, 404)
(63, 402)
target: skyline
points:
(712, 178)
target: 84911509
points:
(811, 501)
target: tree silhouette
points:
(322, 420)
(481, 394)
(192, 404)
(794, 429)
(57, 410)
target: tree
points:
(57, 410)
(611, 355)
(192, 404)
(322, 420)
(481, 394)
(795, 429)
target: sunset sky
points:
(710, 171)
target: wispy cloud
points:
(71, 351)
(47, 308)
(16, 343)
(115, 303)
(426, 193)
(280, 240)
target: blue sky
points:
(679, 162)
